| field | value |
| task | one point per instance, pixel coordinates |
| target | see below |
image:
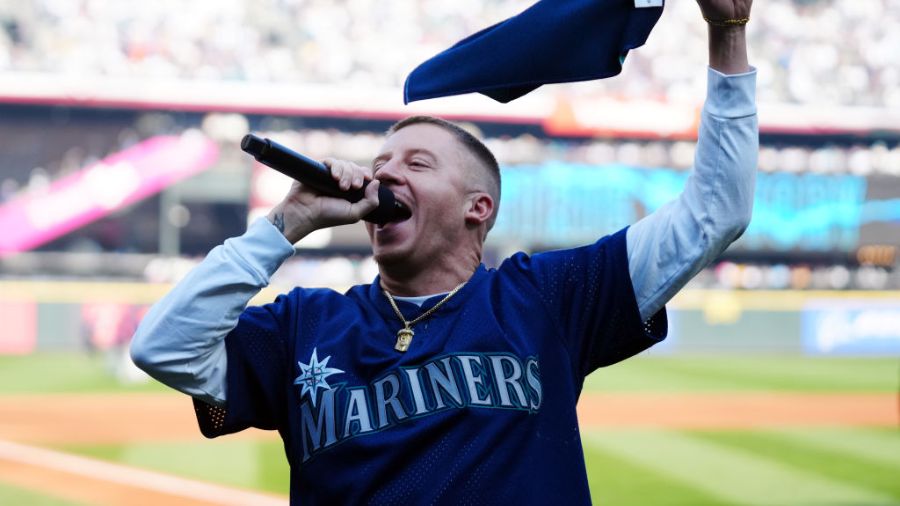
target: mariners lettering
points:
(451, 382)
(312, 427)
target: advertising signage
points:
(560, 204)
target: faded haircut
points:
(470, 143)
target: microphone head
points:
(254, 145)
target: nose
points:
(391, 172)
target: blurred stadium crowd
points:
(835, 52)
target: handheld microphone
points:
(318, 177)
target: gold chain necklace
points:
(405, 335)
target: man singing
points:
(443, 381)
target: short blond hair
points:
(472, 145)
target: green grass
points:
(12, 495)
(836, 465)
(752, 373)
(739, 467)
(46, 373)
(615, 481)
(259, 465)
(81, 373)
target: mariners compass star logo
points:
(312, 376)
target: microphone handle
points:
(317, 176)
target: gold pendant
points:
(404, 337)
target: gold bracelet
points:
(727, 22)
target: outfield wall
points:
(58, 315)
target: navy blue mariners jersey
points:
(479, 410)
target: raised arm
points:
(181, 340)
(668, 247)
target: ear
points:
(479, 208)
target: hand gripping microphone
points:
(317, 176)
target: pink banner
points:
(117, 181)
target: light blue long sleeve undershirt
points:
(180, 341)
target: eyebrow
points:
(415, 151)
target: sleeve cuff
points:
(263, 247)
(731, 95)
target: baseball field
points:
(704, 430)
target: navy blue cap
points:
(553, 41)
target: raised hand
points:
(727, 35)
(719, 11)
(303, 210)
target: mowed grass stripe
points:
(880, 445)
(616, 481)
(654, 375)
(78, 372)
(258, 465)
(837, 466)
(14, 495)
(63, 373)
(729, 474)
(762, 372)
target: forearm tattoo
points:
(278, 221)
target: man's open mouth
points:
(403, 212)
(400, 212)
